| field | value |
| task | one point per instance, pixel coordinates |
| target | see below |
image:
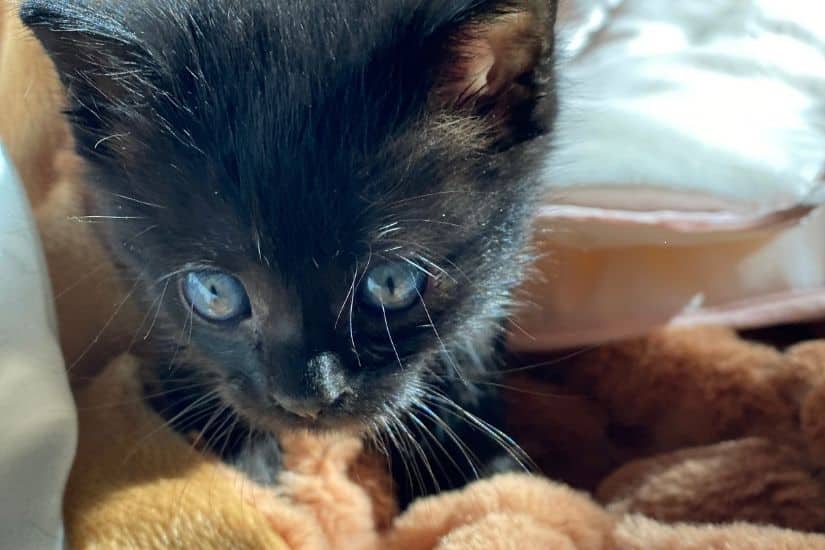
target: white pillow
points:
(37, 414)
(690, 147)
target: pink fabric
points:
(685, 183)
(596, 285)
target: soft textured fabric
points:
(37, 415)
(685, 181)
(719, 100)
(688, 439)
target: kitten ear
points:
(497, 59)
(95, 56)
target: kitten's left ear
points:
(498, 60)
(98, 60)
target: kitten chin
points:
(321, 206)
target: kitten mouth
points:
(282, 418)
(276, 416)
(308, 417)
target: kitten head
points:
(321, 202)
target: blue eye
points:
(393, 286)
(216, 296)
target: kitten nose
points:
(327, 378)
(327, 383)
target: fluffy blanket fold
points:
(724, 432)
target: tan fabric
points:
(728, 444)
(30, 96)
(134, 472)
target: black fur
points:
(294, 143)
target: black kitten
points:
(326, 202)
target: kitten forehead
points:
(300, 128)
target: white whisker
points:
(90, 219)
(438, 336)
(132, 199)
(351, 308)
(389, 334)
(107, 324)
(415, 265)
(469, 456)
(157, 311)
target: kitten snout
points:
(326, 385)
(328, 376)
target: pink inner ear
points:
(493, 55)
(477, 68)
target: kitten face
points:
(323, 204)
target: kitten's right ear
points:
(97, 59)
(496, 62)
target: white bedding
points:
(691, 145)
(37, 414)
